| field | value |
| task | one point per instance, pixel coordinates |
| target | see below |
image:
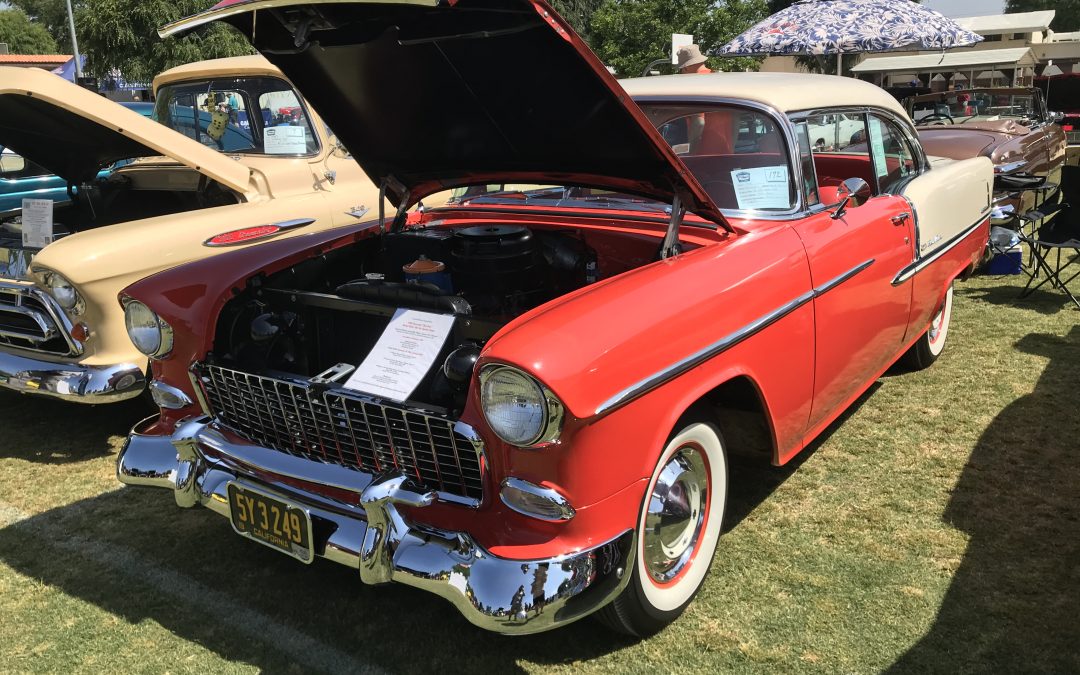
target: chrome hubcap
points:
(676, 515)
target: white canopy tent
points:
(950, 64)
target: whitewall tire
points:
(677, 532)
(930, 344)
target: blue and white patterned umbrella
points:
(849, 27)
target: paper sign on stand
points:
(403, 355)
(37, 223)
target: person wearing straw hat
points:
(691, 60)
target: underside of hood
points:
(426, 95)
(75, 133)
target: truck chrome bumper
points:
(497, 594)
(71, 382)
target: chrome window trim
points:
(723, 344)
(921, 263)
(905, 125)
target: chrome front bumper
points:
(71, 382)
(497, 594)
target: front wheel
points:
(930, 345)
(678, 529)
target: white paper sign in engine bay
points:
(403, 355)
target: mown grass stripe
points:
(181, 588)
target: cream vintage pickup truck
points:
(233, 157)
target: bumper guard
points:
(497, 594)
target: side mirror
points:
(852, 192)
(11, 163)
(1055, 117)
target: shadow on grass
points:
(136, 555)
(753, 479)
(45, 430)
(1044, 300)
(1013, 601)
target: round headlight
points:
(517, 407)
(61, 289)
(147, 331)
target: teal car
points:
(22, 179)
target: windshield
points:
(738, 155)
(974, 105)
(242, 115)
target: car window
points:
(242, 115)
(840, 151)
(894, 160)
(738, 155)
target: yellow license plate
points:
(271, 521)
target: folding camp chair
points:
(1050, 248)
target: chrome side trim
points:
(549, 495)
(924, 262)
(723, 344)
(282, 226)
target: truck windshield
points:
(242, 115)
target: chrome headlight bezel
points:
(63, 292)
(150, 321)
(549, 421)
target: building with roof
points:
(46, 61)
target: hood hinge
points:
(671, 246)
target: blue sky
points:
(957, 8)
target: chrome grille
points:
(28, 322)
(344, 428)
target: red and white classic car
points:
(520, 402)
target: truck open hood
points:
(74, 132)
(427, 94)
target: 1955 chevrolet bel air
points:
(220, 166)
(524, 401)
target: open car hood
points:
(428, 94)
(75, 133)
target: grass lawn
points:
(935, 528)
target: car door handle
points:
(900, 218)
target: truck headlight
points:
(147, 331)
(520, 410)
(63, 292)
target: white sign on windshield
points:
(285, 140)
(762, 187)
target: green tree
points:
(121, 36)
(629, 34)
(52, 14)
(578, 13)
(24, 36)
(1066, 19)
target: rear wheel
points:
(678, 529)
(930, 345)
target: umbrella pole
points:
(839, 63)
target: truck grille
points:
(26, 321)
(345, 428)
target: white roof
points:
(787, 92)
(1021, 56)
(995, 24)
